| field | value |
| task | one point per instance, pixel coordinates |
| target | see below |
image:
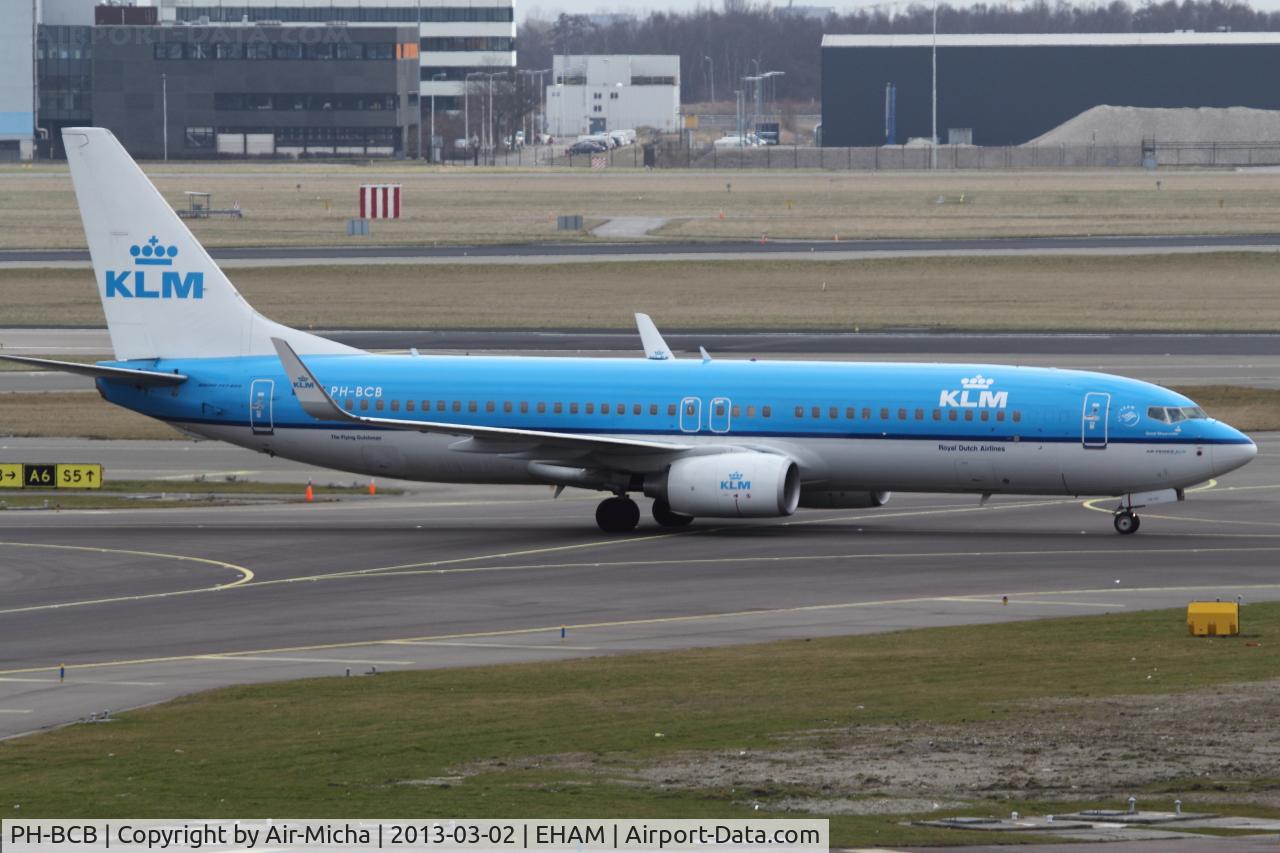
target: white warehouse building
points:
(457, 37)
(592, 94)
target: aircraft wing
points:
(98, 371)
(315, 401)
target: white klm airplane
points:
(702, 438)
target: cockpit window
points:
(1176, 414)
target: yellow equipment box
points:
(1213, 618)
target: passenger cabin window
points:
(968, 414)
(1017, 417)
(751, 411)
(937, 414)
(653, 408)
(489, 407)
(919, 414)
(408, 405)
(573, 408)
(849, 413)
(506, 406)
(833, 413)
(767, 411)
(473, 406)
(884, 414)
(457, 405)
(558, 408)
(637, 409)
(378, 405)
(671, 410)
(364, 404)
(902, 414)
(395, 405)
(542, 407)
(799, 411)
(590, 408)
(604, 408)
(350, 404)
(866, 414)
(816, 411)
(524, 407)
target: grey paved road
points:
(143, 605)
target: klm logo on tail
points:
(154, 284)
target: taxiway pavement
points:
(142, 605)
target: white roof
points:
(1052, 39)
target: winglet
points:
(706, 356)
(310, 393)
(655, 348)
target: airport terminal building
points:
(455, 37)
(187, 92)
(1009, 89)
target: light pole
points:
(431, 143)
(164, 112)
(765, 76)
(466, 104)
(493, 142)
(933, 142)
(711, 78)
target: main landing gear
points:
(1127, 522)
(621, 515)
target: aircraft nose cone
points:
(1229, 457)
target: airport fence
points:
(903, 157)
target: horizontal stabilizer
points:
(98, 371)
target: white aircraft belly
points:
(1026, 467)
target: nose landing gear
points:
(617, 515)
(1126, 522)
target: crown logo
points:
(977, 383)
(153, 253)
(736, 475)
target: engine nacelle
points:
(840, 499)
(730, 485)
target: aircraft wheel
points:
(617, 515)
(664, 516)
(1126, 522)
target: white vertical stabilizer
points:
(163, 295)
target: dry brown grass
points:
(284, 203)
(75, 414)
(1246, 409)
(1178, 292)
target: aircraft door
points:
(260, 417)
(720, 414)
(1093, 422)
(690, 414)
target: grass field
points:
(701, 733)
(1200, 292)
(308, 204)
(84, 414)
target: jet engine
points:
(729, 485)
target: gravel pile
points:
(1107, 125)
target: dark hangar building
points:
(1009, 89)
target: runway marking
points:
(1018, 599)
(14, 711)
(246, 575)
(788, 558)
(254, 656)
(533, 646)
(55, 680)
(622, 623)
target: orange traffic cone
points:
(309, 495)
(722, 214)
(373, 487)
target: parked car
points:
(587, 146)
